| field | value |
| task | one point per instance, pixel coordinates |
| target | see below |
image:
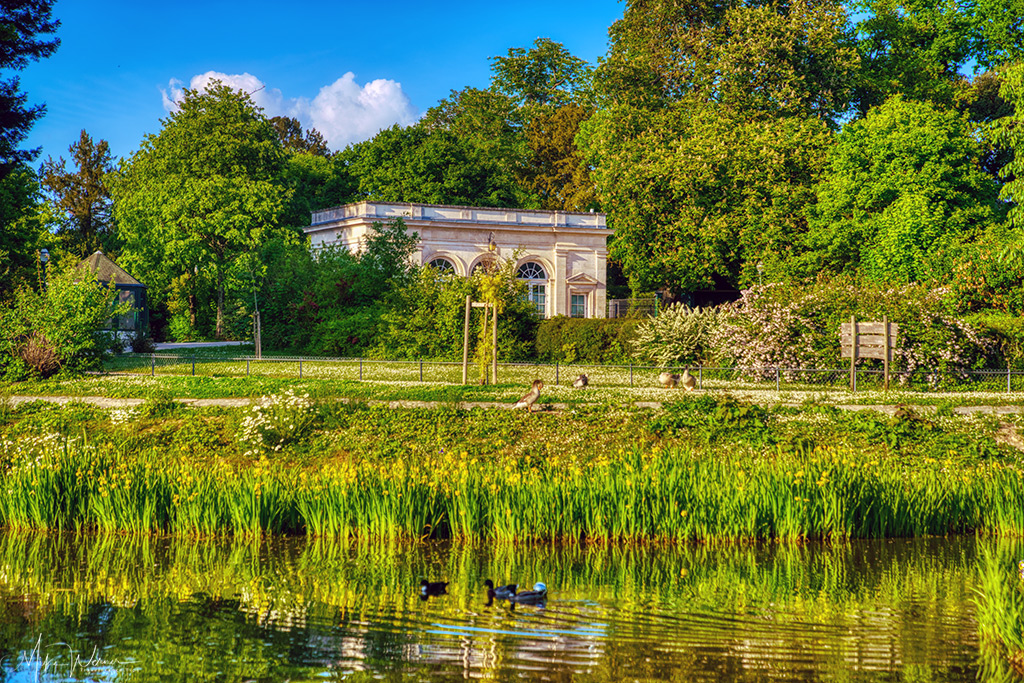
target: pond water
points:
(143, 609)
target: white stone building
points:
(562, 255)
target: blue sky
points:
(346, 67)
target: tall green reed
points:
(642, 494)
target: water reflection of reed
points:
(287, 606)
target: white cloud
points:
(344, 111)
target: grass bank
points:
(707, 468)
(201, 387)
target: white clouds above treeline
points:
(344, 111)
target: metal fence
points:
(399, 371)
(633, 308)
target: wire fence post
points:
(421, 369)
(556, 373)
(300, 369)
(1007, 379)
(193, 367)
(246, 367)
(630, 375)
(360, 369)
(152, 368)
(700, 376)
(776, 378)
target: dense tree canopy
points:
(293, 139)
(194, 204)
(22, 25)
(790, 58)
(82, 197)
(465, 151)
(24, 220)
(698, 195)
(913, 47)
(547, 74)
(902, 185)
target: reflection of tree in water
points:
(279, 608)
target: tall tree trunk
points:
(220, 304)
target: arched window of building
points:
(486, 265)
(442, 265)
(536, 285)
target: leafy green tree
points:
(82, 197)
(980, 100)
(22, 22)
(289, 130)
(558, 173)
(999, 25)
(913, 47)
(902, 186)
(712, 124)
(330, 302)
(1008, 132)
(199, 198)
(24, 228)
(547, 74)
(425, 318)
(788, 58)
(697, 196)
(416, 164)
(59, 328)
(315, 182)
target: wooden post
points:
(885, 359)
(494, 346)
(853, 354)
(465, 342)
(700, 376)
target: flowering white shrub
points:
(798, 327)
(276, 421)
(679, 334)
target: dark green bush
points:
(585, 340)
(1008, 333)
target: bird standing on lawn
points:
(531, 396)
(688, 381)
(668, 380)
(581, 382)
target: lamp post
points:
(44, 258)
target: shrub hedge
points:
(586, 340)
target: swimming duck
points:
(688, 381)
(538, 596)
(431, 589)
(531, 396)
(668, 380)
(499, 593)
(581, 382)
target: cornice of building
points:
(443, 215)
